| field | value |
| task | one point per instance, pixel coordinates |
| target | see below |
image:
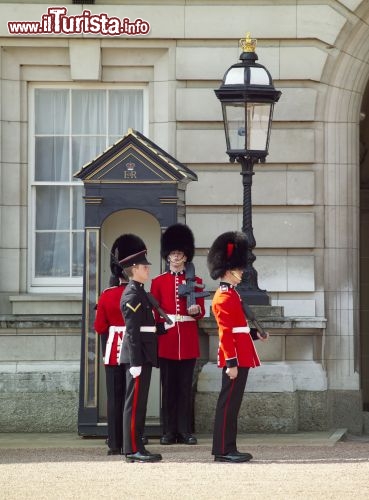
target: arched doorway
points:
(345, 78)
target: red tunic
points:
(108, 314)
(235, 349)
(182, 340)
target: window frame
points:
(59, 284)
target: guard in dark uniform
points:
(109, 324)
(139, 354)
(227, 260)
(179, 342)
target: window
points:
(71, 127)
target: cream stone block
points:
(285, 273)
(197, 104)
(10, 138)
(342, 102)
(165, 65)
(10, 100)
(342, 374)
(272, 272)
(127, 74)
(300, 273)
(201, 146)
(10, 184)
(281, 230)
(85, 59)
(164, 135)
(296, 307)
(273, 350)
(46, 73)
(302, 63)
(164, 101)
(308, 375)
(295, 104)
(300, 188)
(210, 63)
(10, 231)
(337, 142)
(322, 22)
(271, 377)
(131, 56)
(338, 347)
(299, 348)
(27, 348)
(210, 188)
(292, 146)
(68, 347)
(208, 146)
(204, 63)
(64, 366)
(40, 304)
(207, 226)
(9, 265)
(269, 188)
(339, 227)
(268, 21)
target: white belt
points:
(148, 329)
(113, 330)
(178, 318)
(241, 329)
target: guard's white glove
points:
(135, 371)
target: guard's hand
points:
(135, 371)
(194, 310)
(263, 338)
(232, 372)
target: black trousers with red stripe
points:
(226, 413)
(176, 382)
(115, 391)
(134, 415)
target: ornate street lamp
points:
(248, 95)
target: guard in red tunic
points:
(109, 324)
(227, 260)
(179, 293)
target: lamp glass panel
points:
(257, 116)
(234, 125)
(258, 76)
(235, 76)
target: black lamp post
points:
(248, 95)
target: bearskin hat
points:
(229, 251)
(124, 246)
(178, 237)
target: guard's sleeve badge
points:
(134, 309)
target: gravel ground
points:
(339, 471)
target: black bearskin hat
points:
(178, 237)
(229, 251)
(123, 247)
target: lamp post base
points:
(255, 297)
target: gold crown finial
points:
(248, 44)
